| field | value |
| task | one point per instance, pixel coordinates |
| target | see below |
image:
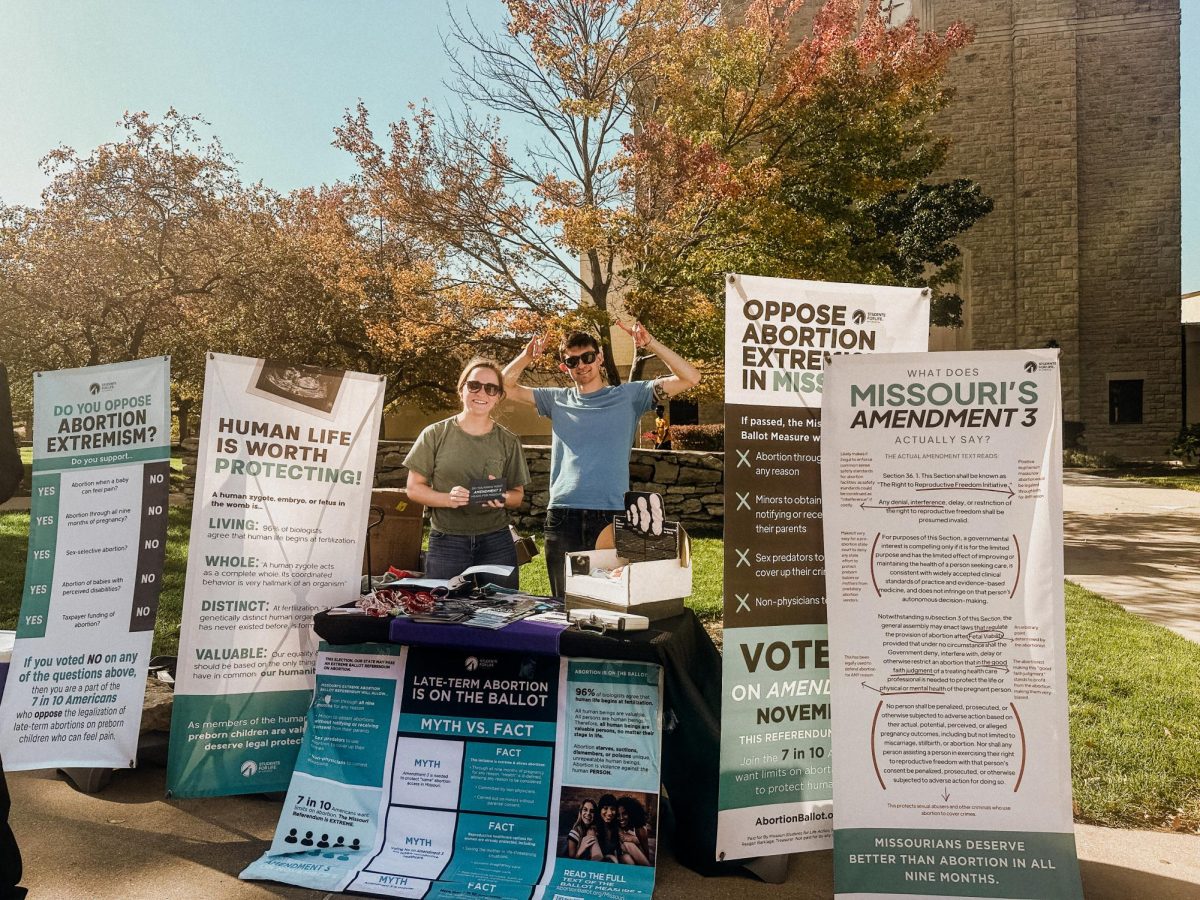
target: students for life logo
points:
(475, 663)
(252, 767)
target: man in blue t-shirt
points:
(594, 425)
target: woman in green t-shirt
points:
(447, 457)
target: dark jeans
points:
(569, 531)
(449, 554)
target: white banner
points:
(776, 792)
(97, 540)
(943, 531)
(283, 492)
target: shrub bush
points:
(698, 437)
(1078, 459)
(1187, 445)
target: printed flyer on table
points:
(283, 491)
(97, 541)
(776, 790)
(943, 534)
(431, 772)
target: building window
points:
(1125, 402)
(897, 12)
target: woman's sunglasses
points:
(587, 358)
(476, 386)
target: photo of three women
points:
(606, 829)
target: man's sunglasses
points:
(587, 358)
(476, 386)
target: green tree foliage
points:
(915, 232)
(813, 157)
(523, 235)
(128, 243)
(153, 245)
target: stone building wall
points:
(691, 483)
(1066, 112)
(1130, 217)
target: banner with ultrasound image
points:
(283, 492)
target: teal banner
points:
(956, 863)
(235, 743)
(39, 564)
(283, 491)
(97, 544)
(449, 773)
(775, 746)
(87, 461)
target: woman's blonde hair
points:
(481, 362)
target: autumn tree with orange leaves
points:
(672, 146)
(129, 240)
(811, 155)
(675, 145)
(523, 233)
(152, 244)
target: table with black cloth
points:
(691, 712)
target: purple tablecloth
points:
(520, 636)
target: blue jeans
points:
(569, 531)
(449, 554)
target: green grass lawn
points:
(27, 462)
(708, 569)
(1188, 481)
(1134, 702)
(1135, 717)
(1183, 477)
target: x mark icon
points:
(743, 558)
(743, 458)
(743, 605)
(743, 499)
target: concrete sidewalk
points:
(1137, 545)
(128, 843)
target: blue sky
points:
(273, 77)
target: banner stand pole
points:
(770, 869)
(375, 510)
(88, 780)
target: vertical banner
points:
(283, 492)
(943, 523)
(431, 772)
(776, 787)
(97, 541)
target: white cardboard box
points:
(642, 587)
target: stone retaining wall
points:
(691, 482)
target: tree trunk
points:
(599, 292)
(610, 367)
(183, 410)
(639, 365)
